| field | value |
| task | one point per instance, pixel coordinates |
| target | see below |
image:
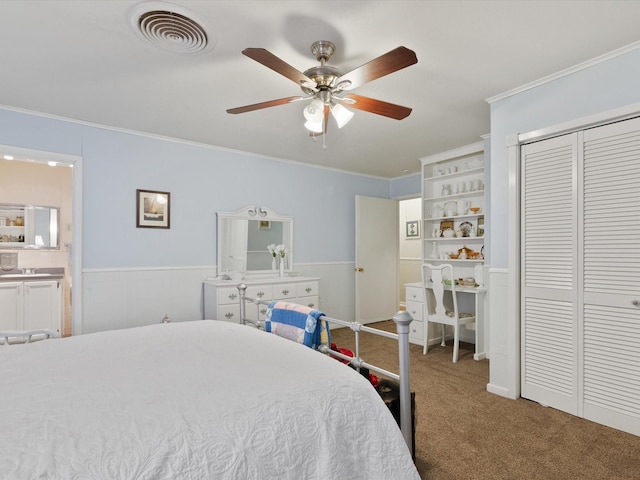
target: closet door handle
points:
(636, 303)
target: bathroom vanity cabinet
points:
(31, 305)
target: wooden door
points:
(376, 274)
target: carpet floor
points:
(465, 432)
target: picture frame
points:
(264, 225)
(413, 229)
(153, 209)
(446, 224)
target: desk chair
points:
(436, 310)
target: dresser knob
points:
(233, 296)
(229, 315)
(308, 290)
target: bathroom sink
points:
(24, 275)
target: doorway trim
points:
(22, 154)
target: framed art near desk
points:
(413, 229)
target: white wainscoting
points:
(337, 287)
(124, 298)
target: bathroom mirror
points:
(243, 237)
(29, 226)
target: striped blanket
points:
(298, 323)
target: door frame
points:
(42, 156)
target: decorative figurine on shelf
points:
(434, 251)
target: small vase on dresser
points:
(282, 261)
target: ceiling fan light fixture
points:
(341, 114)
(314, 126)
(314, 111)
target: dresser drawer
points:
(311, 302)
(228, 295)
(260, 292)
(415, 309)
(416, 332)
(229, 313)
(414, 294)
(285, 291)
(307, 289)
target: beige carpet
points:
(464, 432)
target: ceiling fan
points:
(328, 88)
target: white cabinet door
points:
(549, 238)
(612, 275)
(581, 274)
(10, 305)
(42, 307)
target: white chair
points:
(436, 310)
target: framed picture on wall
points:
(413, 229)
(153, 209)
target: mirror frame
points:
(54, 230)
(254, 213)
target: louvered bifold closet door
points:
(548, 239)
(612, 275)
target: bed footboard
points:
(402, 320)
(19, 337)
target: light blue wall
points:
(408, 186)
(608, 85)
(202, 180)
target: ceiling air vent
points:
(169, 27)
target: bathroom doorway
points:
(45, 179)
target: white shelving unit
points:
(453, 199)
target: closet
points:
(580, 273)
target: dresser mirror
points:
(243, 238)
(29, 226)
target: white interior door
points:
(611, 313)
(376, 259)
(549, 238)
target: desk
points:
(416, 302)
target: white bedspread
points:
(195, 400)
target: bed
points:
(191, 400)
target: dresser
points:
(221, 296)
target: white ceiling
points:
(81, 59)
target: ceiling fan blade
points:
(378, 107)
(270, 103)
(390, 62)
(269, 60)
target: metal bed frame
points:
(20, 337)
(402, 320)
